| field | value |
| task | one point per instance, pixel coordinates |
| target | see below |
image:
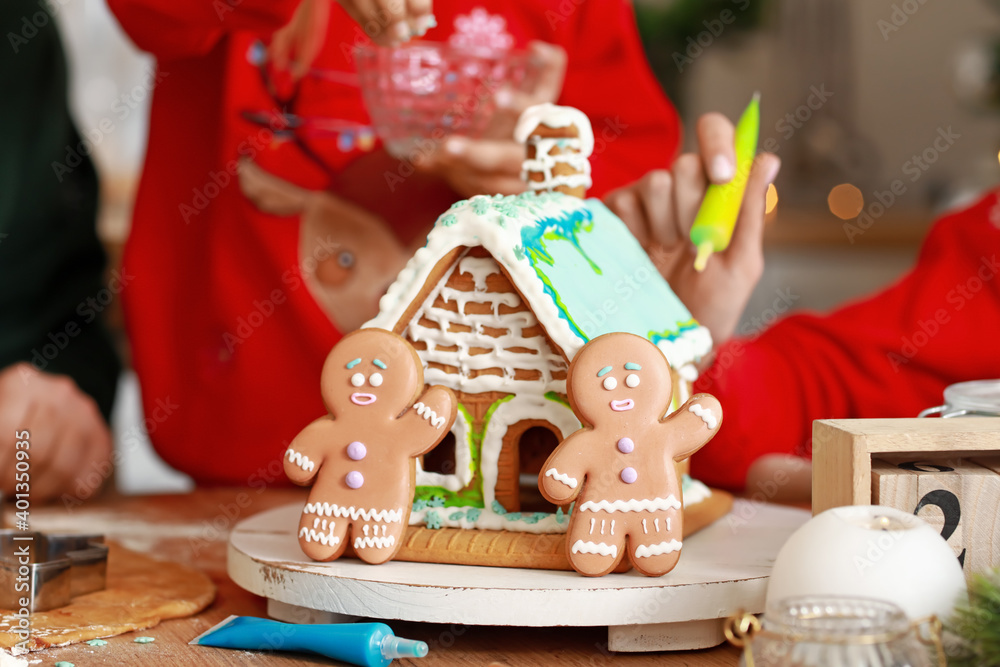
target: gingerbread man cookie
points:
(360, 458)
(619, 468)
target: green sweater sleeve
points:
(51, 262)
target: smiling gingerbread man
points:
(620, 466)
(361, 457)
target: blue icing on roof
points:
(600, 278)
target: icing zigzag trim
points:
(333, 509)
(706, 414)
(428, 414)
(300, 459)
(645, 551)
(581, 547)
(377, 542)
(561, 477)
(316, 536)
(654, 505)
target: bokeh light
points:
(771, 199)
(845, 201)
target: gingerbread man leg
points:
(376, 534)
(596, 542)
(655, 541)
(322, 532)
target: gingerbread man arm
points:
(693, 424)
(561, 478)
(306, 453)
(429, 420)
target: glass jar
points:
(830, 632)
(980, 398)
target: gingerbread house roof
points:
(574, 262)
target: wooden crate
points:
(947, 471)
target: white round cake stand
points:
(724, 568)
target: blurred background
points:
(885, 113)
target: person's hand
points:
(492, 164)
(295, 45)
(660, 208)
(391, 22)
(67, 435)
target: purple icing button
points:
(357, 451)
(355, 480)
(629, 475)
(625, 446)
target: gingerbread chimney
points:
(558, 141)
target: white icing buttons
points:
(610, 383)
(625, 446)
(356, 480)
(357, 451)
(358, 379)
(629, 475)
(632, 380)
(375, 379)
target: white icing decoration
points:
(695, 491)
(555, 116)
(706, 414)
(537, 357)
(326, 539)
(301, 460)
(375, 379)
(645, 551)
(688, 372)
(376, 542)
(644, 528)
(354, 513)
(463, 461)
(656, 525)
(544, 162)
(592, 522)
(632, 380)
(602, 526)
(581, 547)
(561, 477)
(647, 505)
(612, 526)
(479, 268)
(436, 420)
(610, 382)
(358, 379)
(521, 407)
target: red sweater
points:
(227, 343)
(889, 355)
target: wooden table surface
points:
(194, 529)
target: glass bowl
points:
(419, 93)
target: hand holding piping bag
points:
(714, 223)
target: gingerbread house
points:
(501, 298)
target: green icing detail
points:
(604, 371)
(379, 363)
(353, 362)
(63, 663)
(509, 209)
(630, 366)
(456, 516)
(498, 508)
(472, 514)
(558, 398)
(435, 501)
(459, 203)
(519, 252)
(656, 336)
(566, 227)
(448, 219)
(432, 519)
(97, 642)
(480, 205)
(144, 640)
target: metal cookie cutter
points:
(49, 569)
